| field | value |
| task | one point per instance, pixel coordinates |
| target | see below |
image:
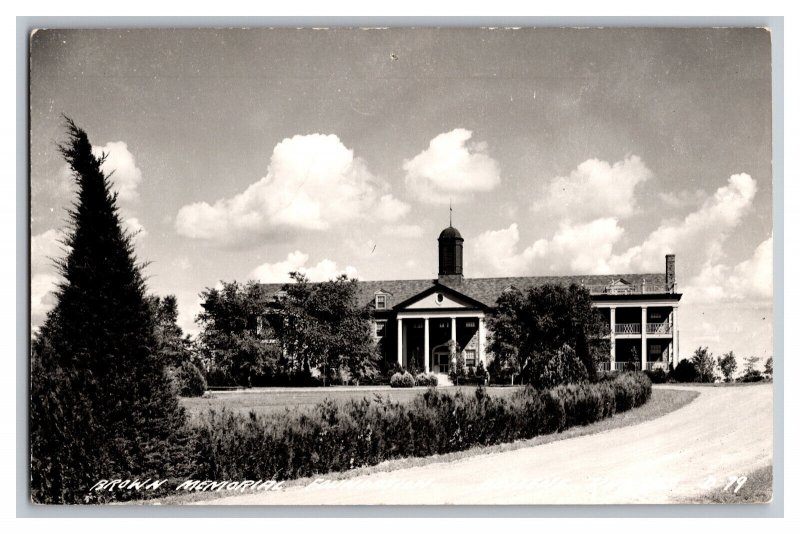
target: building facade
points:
(414, 320)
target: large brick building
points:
(415, 319)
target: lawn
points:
(264, 401)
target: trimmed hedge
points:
(427, 379)
(402, 380)
(340, 436)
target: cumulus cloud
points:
(312, 182)
(589, 248)
(134, 228)
(750, 279)
(595, 189)
(404, 231)
(46, 248)
(43, 287)
(697, 238)
(451, 167)
(278, 272)
(683, 199)
(120, 166)
(497, 254)
(391, 209)
(582, 248)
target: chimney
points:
(670, 277)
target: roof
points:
(450, 233)
(487, 290)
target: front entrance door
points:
(441, 360)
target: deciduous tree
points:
(727, 365)
(703, 362)
(321, 325)
(751, 374)
(552, 334)
(231, 344)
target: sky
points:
(246, 154)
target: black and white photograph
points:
(401, 266)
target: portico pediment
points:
(439, 297)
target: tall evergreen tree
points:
(102, 406)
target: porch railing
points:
(637, 289)
(619, 367)
(627, 328)
(659, 328)
(652, 366)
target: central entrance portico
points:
(429, 321)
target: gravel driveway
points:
(725, 432)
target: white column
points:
(613, 313)
(675, 346)
(400, 339)
(644, 338)
(427, 347)
(481, 341)
(453, 328)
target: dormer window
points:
(620, 287)
(380, 302)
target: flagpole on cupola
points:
(451, 212)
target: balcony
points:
(635, 329)
(628, 328)
(659, 328)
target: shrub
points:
(657, 376)
(631, 390)
(427, 379)
(752, 376)
(337, 436)
(685, 371)
(190, 380)
(402, 380)
(480, 373)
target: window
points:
(470, 324)
(380, 328)
(380, 302)
(655, 349)
(439, 298)
(469, 357)
(444, 324)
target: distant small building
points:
(415, 319)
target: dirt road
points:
(725, 432)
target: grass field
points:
(270, 400)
